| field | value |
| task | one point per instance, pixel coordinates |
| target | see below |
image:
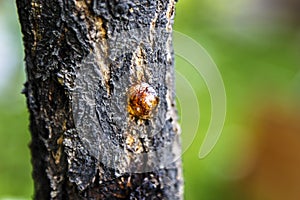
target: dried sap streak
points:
(142, 100)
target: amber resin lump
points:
(142, 100)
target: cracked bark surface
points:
(82, 58)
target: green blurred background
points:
(256, 46)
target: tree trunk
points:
(100, 91)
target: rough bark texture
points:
(82, 58)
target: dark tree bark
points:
(100, 91)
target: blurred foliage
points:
(257, 53)
(15, 167)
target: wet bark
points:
(83, 59)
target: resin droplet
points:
(142, 100)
